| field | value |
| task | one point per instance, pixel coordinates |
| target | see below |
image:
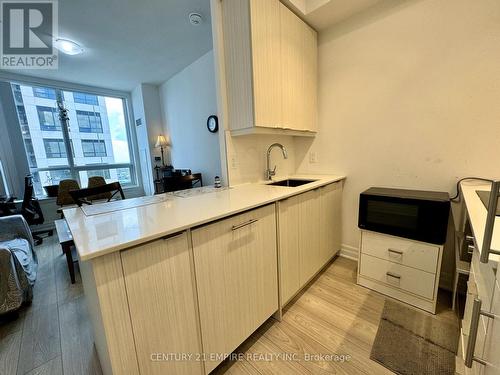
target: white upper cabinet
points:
(271, 69)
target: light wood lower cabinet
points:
(202, 293)
(162, 304)
(236, 275)
(309, 236)
(330, 219)
(289, 228)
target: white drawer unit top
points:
(396, 275)
(410, 253)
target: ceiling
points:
(128, 42)
(322, 14)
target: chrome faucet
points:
(270, 173)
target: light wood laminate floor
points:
(53, 335)
(333, 316)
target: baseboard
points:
(349, 252)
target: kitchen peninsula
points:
(193, 276)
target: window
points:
(30, 152)
(49, 118)
(18, 96)
(44, 92)
(89, 122)
(22, 115)
(54, 148)
(82, 98)
(99, 141)
(93, 148)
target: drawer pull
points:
(470, 239)
(474, 325)
(399, 253)
(393, 275)
(251, 221)
(470, 249)
(172, 236)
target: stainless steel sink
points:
(291, 182)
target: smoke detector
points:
(195, 18)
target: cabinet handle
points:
(486, 249)
(173, 235)
(400, 253)
(474, 325)
(390, 274)
(470, 249)
(251, 221)
(470, 239)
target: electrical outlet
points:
(313, 157)
(234, 162)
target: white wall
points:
(408, 97)
(147, 111)
(188, 99)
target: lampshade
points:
(162, 141)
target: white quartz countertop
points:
(145, 219)
(477, 214)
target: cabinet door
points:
(292, 69)
(299, 72)
(330, 220)
(310, 77)
(236, 275)
(309, 235)
(266, 62)
(161, 295)
(289, 228)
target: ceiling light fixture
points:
(68, 47)
(195, 18)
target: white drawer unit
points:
(400, 268)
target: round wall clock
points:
(213, 124)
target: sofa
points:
(18, 263)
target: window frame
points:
(46, 128)
(126, 98)
(85, 99)
(60, 145)
(89, 115)
(94, 142)
(48, 92)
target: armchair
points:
(18, 263)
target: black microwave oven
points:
(417, 215)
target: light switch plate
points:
(313, 157)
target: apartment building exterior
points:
(89, 134)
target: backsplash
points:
(246, 156)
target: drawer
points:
(398, 250)
(484, 276)
(408, 279)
